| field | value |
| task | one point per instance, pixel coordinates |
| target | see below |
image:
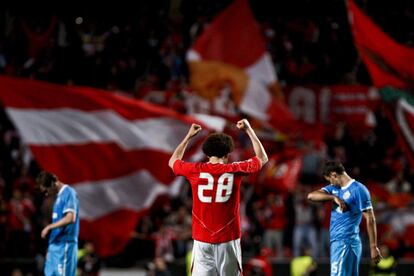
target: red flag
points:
(319, 107)
(353, 105)
(231, 53)
(113, 150)
(233, 37)
(282, 171)
(388, 62)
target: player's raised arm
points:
(321, 196)
(257, 145)
(179, 151)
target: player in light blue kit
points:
(351, 200)
(61, 258)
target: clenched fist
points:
(243, 124)
(194, 129)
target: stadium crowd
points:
(142, 51)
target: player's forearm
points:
(257, 146)
(318, 196)
(372, 230)
(179, 151)
(68, 219)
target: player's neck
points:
(345, 178)
(59, 186)
(216, 160)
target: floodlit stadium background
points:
(314, 87)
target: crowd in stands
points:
(139, 51)
(144, 49)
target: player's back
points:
(216, 197)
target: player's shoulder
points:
(359, 186)
(183, 167)
(69, 190)
(251, 159)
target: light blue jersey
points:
(66, 201)
(63, 241)
(344, 228)
(345, 225)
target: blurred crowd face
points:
(89, 247)
(17, 272)
(385, 252)
(160, 264)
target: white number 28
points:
(224, 188)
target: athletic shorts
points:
(209, 259)
(345, 258)
(61, 259)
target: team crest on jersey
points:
(347, 194)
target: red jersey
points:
(216, 197)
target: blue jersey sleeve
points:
(363, 198)
(70, 203)
(328, 189)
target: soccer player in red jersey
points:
(216, 200)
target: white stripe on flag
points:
(257, 97)
(133, 192)
(214, 122)
(263, 70)
(402, 107)
(69, 126)
(256, 100)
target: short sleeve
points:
(182, 168)
(70, 203)
(249, 166)
(363, 198)
(329, 188)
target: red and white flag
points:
(112, 149)
(388, 62)
(231, 53)
(399, 109)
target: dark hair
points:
(332, 166)
(46, 179)
(218, 144)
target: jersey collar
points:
(61, 190)
(348, 184)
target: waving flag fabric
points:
(388, 62)
(398, 106)
(112, 149)
(231, 53)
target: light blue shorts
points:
(61, 259)
(345, 257)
